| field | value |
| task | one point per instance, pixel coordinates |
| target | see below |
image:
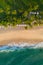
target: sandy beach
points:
(31, 35)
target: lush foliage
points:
(14, 12)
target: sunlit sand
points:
(33, 35)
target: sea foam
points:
(14, 46)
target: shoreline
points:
(16, 36)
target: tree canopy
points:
(14, 12)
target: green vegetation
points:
(14, 12)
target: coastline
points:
(29, 36)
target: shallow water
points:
(21, 55)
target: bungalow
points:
(34, 13)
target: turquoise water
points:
(21, 56)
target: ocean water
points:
(22, 54)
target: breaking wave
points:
(21, 54)
(14, 46)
